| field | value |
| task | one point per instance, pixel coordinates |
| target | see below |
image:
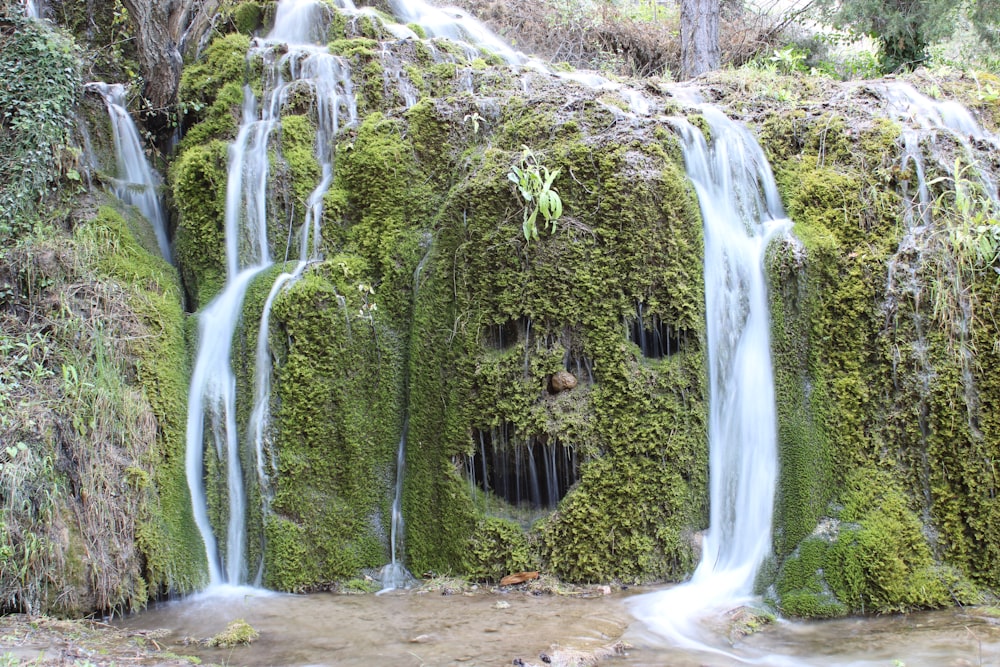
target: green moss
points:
(498, 548)
(198, 184)
(298, 149)
(237, 633)
(337, 424)
(211, 91)
(802, 589)
(881, 561)
(358, 47)
(386, 202)
(634, 234)
(165, 532)
(247, 17)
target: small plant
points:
(474, 118)
(368, 305)
(789, 59)
(534, 182)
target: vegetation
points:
(905, 29)
(237, 633)
(438, 314)
(534, 183)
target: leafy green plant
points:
(969, 239)
(534, 182)
(789, 59)
(41, 78)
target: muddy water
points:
(431, 629)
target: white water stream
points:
(136, 182)
(741, 211)
(931, 129)
(212, 395)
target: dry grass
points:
(628, 41)
(74, 431)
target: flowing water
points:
(136, 182)
(212, 395)
(741, 210)
(429, 629)
(931, 131)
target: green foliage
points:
(904, 29)
(165, 532)
(969, 240)
(789, 59)
(534, 182)
(802, 589)
(41, 80)
(247, 17)
(211, 91)
(198, 180)
(337, 424)
(498, 548)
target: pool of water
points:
(430, 628)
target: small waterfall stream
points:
(136, 182)
(741, 211)
(213, 386)
(930, 127)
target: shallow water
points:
(396, 629)
(428, 628)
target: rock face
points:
(561, 381)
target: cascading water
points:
(459, 26)
(213, 386)
(741, 211)
(136, 182)
(925, 122)
(395, 575)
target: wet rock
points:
(744, 621)
(518, 578)
(561, 381)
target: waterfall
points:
(461, 27)
(741, 211)
(212, 393)
(31, 9)
(925, 246)
(395, 575)
(136, 182)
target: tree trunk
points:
(699, 37)
(157, 28)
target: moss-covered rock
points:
(337, 425)
(498, 548)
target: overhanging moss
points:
(198, 180)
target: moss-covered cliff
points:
(881, 308)
(426, 316)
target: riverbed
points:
(430, 627)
